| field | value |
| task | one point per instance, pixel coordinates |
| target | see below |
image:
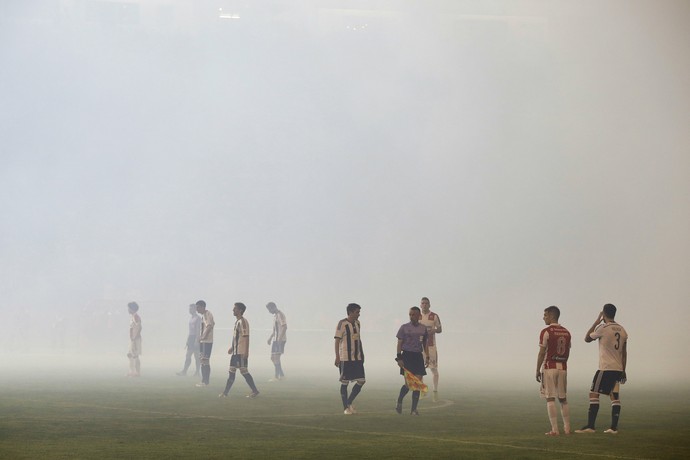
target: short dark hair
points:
(416, 309)
(200, 303)
(133, 306)
(271, 305)
(352, 307)
(426, 298)
(241, 306)
(554, 310)
(610, 310)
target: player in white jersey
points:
(192, 345)
(613, 358)
(277, 340)
(134, 340)
(433, 326)
(239, 352)
(205, 342)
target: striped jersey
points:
(279, 327)
(350, 342)
(432, 322)
(612, 337)
(240, 337)
(556, 339)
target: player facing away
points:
(239, 352)
(552, 368)
(277, 340)
(413, 355)
(134, 340)
(433, 326)
(192, 345)
(349, 356)
(205, 342)
(613, 357)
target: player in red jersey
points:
(552, 368)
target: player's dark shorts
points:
(278, 348)
(239, 361)
(413, 362)
(351, 370)
(605, 381)
(205, 349)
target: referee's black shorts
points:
(413, 362)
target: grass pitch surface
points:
(168, 417)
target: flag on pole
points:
(414, 383)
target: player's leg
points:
(550, 391)
(248, 378)
(562, 386)
(205, 353)
(358, 369)
(615, 409)
(433, 365)
(231, 379)
(598, 386)
(187, 359)
(197, 360)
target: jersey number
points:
(560, 346)
(618, 341)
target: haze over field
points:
(498, 157)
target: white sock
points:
(553, 415)
(565, 413)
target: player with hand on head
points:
(613, 358)
(552, 368)
(349, 356)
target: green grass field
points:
(167, 417)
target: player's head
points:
(239, 309)
(415, 314)
(271, 307)
(132, 307)
(352, 308)
(426, 305)
(551, 314)
(609, 311)
(200, 306)
(192, 308)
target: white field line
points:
(339, 430)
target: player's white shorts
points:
(433, 357)
(134, 347)
(554, 383)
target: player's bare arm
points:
(540, 361)
(600, 318)
(337, 352)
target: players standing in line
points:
(349, 356)
(433, 326)
(277, 339)
(205, 342)
(239, 352)
(613, 357)
(412, 354)
(552, 368)
(192, 342)
(134, 340)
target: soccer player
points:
(134, 340)
(239, 352)
(433, 326)
(205, 342)
(413, 355)
(552, 368)
(277, 339)
(349, 356)
(613, 357)
(192, 341)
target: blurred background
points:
(497, 157)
